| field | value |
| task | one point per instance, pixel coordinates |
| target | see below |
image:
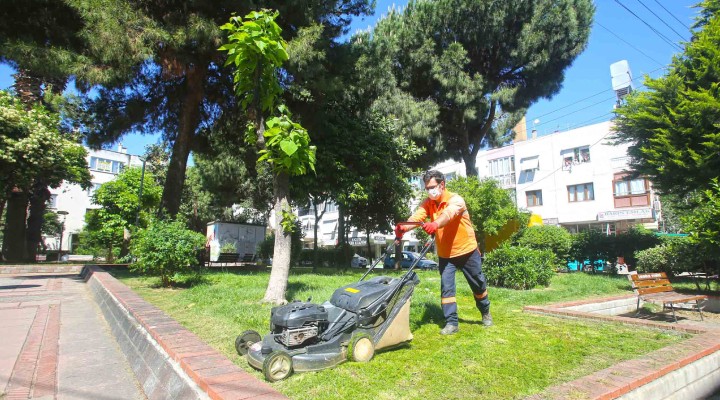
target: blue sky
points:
(646, 33)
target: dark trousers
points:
(471, 266)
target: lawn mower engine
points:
(298, 323)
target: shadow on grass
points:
(432, 314)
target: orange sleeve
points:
(420, 214)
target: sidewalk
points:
(56, 343)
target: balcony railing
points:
(506, 181)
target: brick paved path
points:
(55, 344)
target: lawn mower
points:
(359, 319)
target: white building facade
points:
(104, 166)
(577, 179)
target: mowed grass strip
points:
(521, 355)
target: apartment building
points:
(71, 198)
(577, 179)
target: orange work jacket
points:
(457, 237)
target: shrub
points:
(596, 245)
(672, 256)
(518, 267)
(165, 249)
(548, 237)
(338, 256)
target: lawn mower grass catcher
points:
(358, 319)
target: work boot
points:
(487, 320)
(449, 330)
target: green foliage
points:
(489, 205)
(458, 74)
(703, 222)
(120, 209)
(518, 267)
(32, 147)
(548, 237)
(287, 147)
(328, 257)
(51, 224)
(119, 197)
(672, 126)
(166, 248)
(255, 49)
(595, 245)
(228, 247)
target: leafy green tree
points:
(703, 223)
(179, 86)
(672, 126)
(121, 209)
(33, 155)
(472, 66)
(256, 49)
(489, 205)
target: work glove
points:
(430, 227)
(399, 231)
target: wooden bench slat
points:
(642, 284)
(657, 289)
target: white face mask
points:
(434, 193)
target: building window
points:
(93, 188)
(52, 201)
(575, 156)
(330, 206)
(104, 165)
(581, 192)
(503, 171)
(534, 198)
(629, 187)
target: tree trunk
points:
(38, 203)
(189, 120)
(275, 292)
(341, 225)
(14, 233)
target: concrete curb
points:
(6, 269)
(689, 369)
(169, 361)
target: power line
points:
(552, 173)
(662, 20)
(672, 15)
(629, 44)
(591, 96)
(668, 41)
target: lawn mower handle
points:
(391, 249)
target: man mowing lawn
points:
(456, 247)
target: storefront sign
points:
(357, 241)
(379, 239)
(615, 215)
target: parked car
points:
(358, 261)
(408, 258)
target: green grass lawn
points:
(522, 354)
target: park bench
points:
(225, 258)
(656, 288)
